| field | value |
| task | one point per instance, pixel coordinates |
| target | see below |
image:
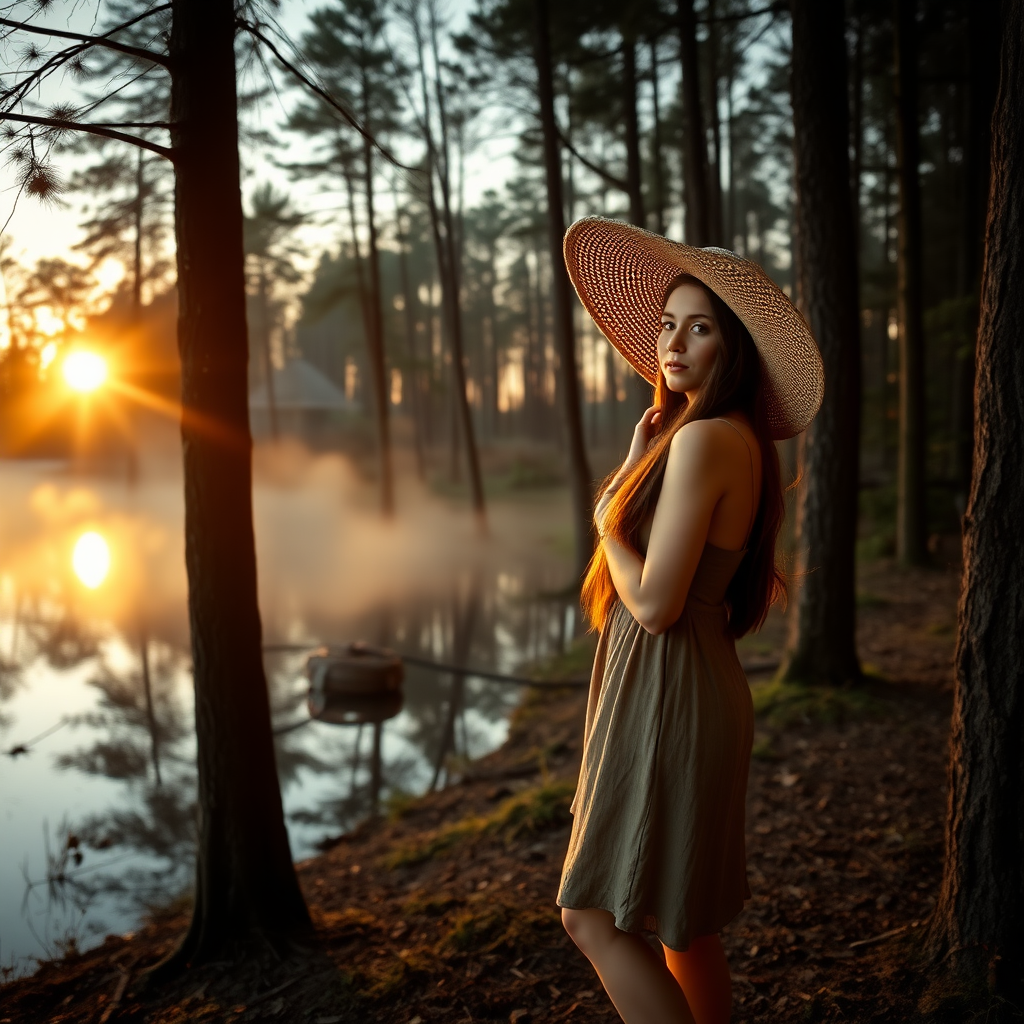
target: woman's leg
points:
(703, 974)
(633, 975)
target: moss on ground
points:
(531, 810)
(783, 704)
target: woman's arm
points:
(642, 434)
(654, 589)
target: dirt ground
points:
(445, 911)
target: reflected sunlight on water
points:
(91, 559)
(95, 674)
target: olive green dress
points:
(658, 819)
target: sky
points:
(37, 230)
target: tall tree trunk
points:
(580, 480)
(911, 523)
(978, 924)
(823, 648)
(245, 881)
(361, 286)
(147, 692)
(140, 187)
(857, 120)
(448, 264)
(657, 167)
(715, 165)
(982, 65)
(634, 177)
(378, 360)
(695, 147)
(411, 348)
(268, 362)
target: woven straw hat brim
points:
(620, 273)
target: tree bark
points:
(695, 147)
(580, 480)
(978, 924)
(911, 524)
(245, 881)
(822, 649)
(982, 80)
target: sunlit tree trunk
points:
(580, 480)
(245, 881)
(911, 523)
(822, 648)
(978, 925)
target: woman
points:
(686, 564)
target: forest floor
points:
(445, 910)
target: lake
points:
(95, 680)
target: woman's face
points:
(689, 341)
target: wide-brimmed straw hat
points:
(620, 273)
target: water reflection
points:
(91, 559)
(100, 814)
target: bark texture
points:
(245, 881)
(980, 913)
(580, 480)
(822, 648)
(911, 528)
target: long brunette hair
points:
(733, 385)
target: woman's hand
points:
(642, 434)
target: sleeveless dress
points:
(658, 819)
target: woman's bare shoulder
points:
(699, 439)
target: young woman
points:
(685, 564)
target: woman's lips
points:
(676, 366)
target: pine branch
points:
(324, 95)
(104, 40)
(599, 171)
(92, 129)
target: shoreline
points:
(445, 911)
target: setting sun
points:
(91, 559)
(84, 370)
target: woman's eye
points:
(699, 328)
(668, 326)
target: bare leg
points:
(703, 974)
(634, 976)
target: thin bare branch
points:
(89, 129)
(325, 96)
(601, 172)
(104, 40)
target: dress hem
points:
(653, 931)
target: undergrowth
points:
(785, 704)
(528, 811)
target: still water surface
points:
(98, 815)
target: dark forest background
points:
(625, 121)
